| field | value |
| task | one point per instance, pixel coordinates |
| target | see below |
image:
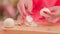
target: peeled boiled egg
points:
(9, 22)
(29, 18)
(30, 21)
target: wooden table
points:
(32, 30)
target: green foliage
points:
(1, 18)
(1, 1)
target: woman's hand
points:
(24, 6)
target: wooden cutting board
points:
(32, 30)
